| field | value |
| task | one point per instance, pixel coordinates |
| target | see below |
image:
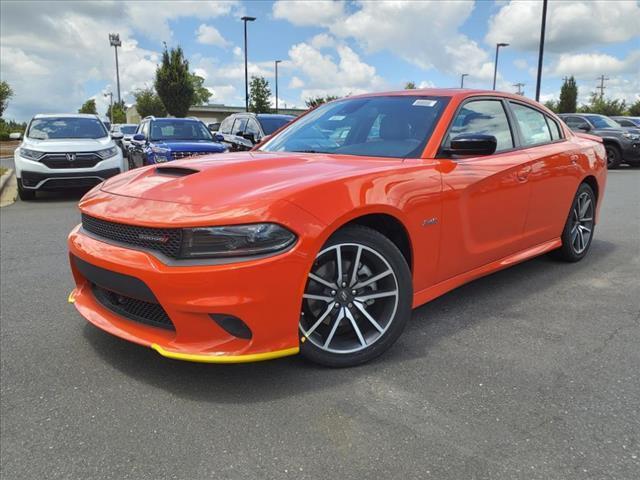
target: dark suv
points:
(622, 145)
(241, 131)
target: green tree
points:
(552, 105)
(604, 106)
(5, 94)
(317, 101)
(89, 107)
(568, 96)
(119, 112)
(149, 103)
(201, 93)
(410, 85)
(259, 95)
(634, 110)
(174, 84)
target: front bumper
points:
(264, 293)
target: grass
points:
(2, 170)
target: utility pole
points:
(277, 62)
(541, 50)
(495, 63)
(246, 71)
(462, 79)
(602, 79)
(519, 87)
(114, 41)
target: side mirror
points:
(473, 144)
(249, 136)
(15, 136)
(585, 127)
(218, 137)
(117, 135)
(138, 138)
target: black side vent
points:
(175, 171)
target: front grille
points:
(181, 155)
(133, 309)
(60, 160)
(163, 240)
(71, 183)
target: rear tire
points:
(614, 156)
(578, 231)
(25, 194)
(351, 315)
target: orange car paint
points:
(465, 218)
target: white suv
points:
(66, 151)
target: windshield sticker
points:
(423, 102)
(337, 118)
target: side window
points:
(225, 126)
(252, 127)
(483, 117)
(556, 133)
(238, 126)
(625, 123)
(575, 123)
(144, 129)
(533, 125)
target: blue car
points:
(160, 140)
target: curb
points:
(5, 179)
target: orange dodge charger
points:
(323, 238)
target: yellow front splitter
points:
(255, 357)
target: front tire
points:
(614, 156)
(357, 300)
(25, 194)
(579, 228)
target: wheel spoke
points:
(310, 296)
(320, 320)
(322, 281)
(364, 312)
(364, 298)
(581, 239)
(339, 264)
(334, 328)
(585, 228)
(349, 315)
(369, 281)
(354, 272)
(584, 207)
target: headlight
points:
(31, 154)
(107, 152)
(631, 136)
(161, 154)
(235, 240)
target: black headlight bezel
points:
(218, 242)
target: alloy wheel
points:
(582, 218)
(350, 299)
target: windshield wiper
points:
(307, 151)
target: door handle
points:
(523, 173)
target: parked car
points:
(62, 151)
(160, 140)
(241, 131)
(127, 130)
(322, 241)
(628, 122)
(622, 145)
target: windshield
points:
(271, 124)
(395, 127)
(66, 127)
(180, 130)
(128, 129)
(602, 122)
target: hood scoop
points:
(175, 171)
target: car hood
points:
(68, 144)
(191, 146)
(608, 131)
(242, 179)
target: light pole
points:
(541, 52)
(246, 73)
(114, 41)
(277, 62)
(462, 79)
(495, 66)
(110, 95)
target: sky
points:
(56, 55)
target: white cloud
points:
(521, 63)
(209, 35)
(592, 64)
(308, 12)
(323, 40)
(570, 24)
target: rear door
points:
(485, 199)
(555, 171)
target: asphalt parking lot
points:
(531, 373)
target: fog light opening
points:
(232, 325)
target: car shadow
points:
(71, 195)
(286, 377)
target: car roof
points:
(66, 115)
(173, 119)
(275, 115)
